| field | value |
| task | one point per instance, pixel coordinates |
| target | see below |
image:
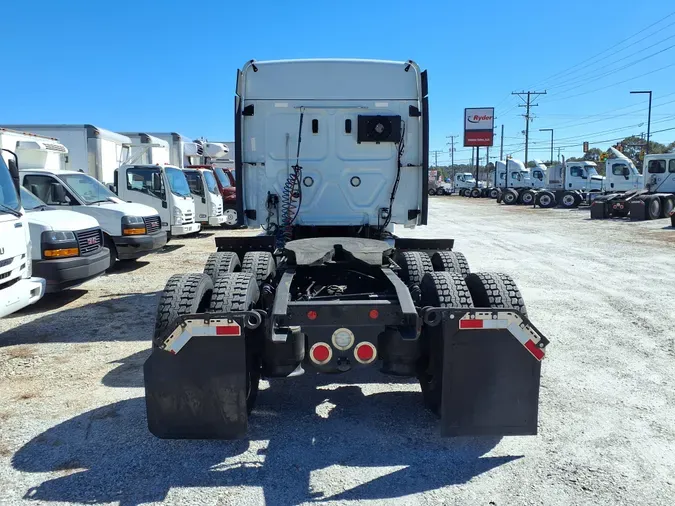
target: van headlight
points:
(133, 225)
(57, 244)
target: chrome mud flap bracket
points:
(491, 371)
(196, 378)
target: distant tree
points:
(670, 148)
(593, 155)
(633, 146)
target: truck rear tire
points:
(431, 192)
(440, 191)
(545, 200)
(222, 262)
(494, 193)
(496, 291)
(231, 219)
(450, 261)
(667, 206)
(439, 289)
(527, 197)
(653, 208)
(238, 291)
(570, 200)
(414, 265)
(183, 294)
(475, 193)
(260, 264)
(510, 197)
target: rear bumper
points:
(21, 294)
(62, 273)
(185, 229)
(129, 248)
(216, 221)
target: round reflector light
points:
(365, 352)
(374, 313)
(343, 339)
(320, 353)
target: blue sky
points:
(168, 65)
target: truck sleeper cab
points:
(67, 247)
(130, 230)
(18, 287)
(207, 197)
(164, 188)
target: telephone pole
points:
(435, 154)
(528, 103)
(501, 146)
(452, 149)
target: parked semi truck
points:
(18, 287)
(165, 189)
(656, 199)
(328, 287)
(93, 150)
(513, 181)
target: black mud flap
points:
(198, 392)
(638, 210)
(490, 377)
(599, 210)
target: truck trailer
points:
(330, 155)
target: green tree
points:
(593, 155)
(633, 146)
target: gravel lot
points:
(73, 417)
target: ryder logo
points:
(477, 118)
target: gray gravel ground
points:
(73, 419)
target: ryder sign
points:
(478, 126)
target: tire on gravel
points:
(222, 262)
(667, 206)
(545, 200)
(527, 197)
(431, 192)
(450, 261)
(494, 193)
(414, 265)
(475, 193)
(496, 291)
(238, 291)
(570, 200)
(510, 197)
(183, 294)
(439, 289)
(653, 205)
(260, 264)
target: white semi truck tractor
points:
(330, 155)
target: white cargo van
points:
(67, 247)
(130, 230)
(96, 151)
(18, 288)
(164, 188)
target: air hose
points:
(291, 195)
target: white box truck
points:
(183, 151)
(147, 149)
(93, 150)
(18, 288)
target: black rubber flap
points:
(490, 385)
(599, 210)
(638, 210)
(199, 393)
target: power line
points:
(527, 105)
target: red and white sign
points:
(479, 126)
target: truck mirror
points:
(59, 194)
(14, 172)
(626, 172)
(156, 182)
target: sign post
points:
(479, 123)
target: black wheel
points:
(495, 290)
(450, 261)
(183, 294)
(653, 208)
(238, 291)
(112, 250)
(440, 191)
(570, 200)
(475, 192)
(414, 265)
(545, 199)
(527, 197)
(667, 206)
(439, 289)
(494, 193)
(432, 192)
(510, 197)
(222, 262)
(231, 218)
(260, 264)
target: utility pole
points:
(528, 103)
(452, 149)
(558, 154)
(649, 117)
(501, 146)
(435, 154)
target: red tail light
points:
(320, 353)
(365, 352)
(374, 313)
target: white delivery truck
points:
(18, 288)
(146, 149)
(130, 230)
(95, 151)
(67, 247)
(207, 197)
(164, 188)
(183, 151)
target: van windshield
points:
(177, 182)
(222, 178)
(9, 201)
(210, 181)
(88, 189)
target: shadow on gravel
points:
(129, 374)
(169, 249)
(51, 301)
(123, 266)
(293, 453)
(130, 317)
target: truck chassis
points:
(332, 304)
(639, 205)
